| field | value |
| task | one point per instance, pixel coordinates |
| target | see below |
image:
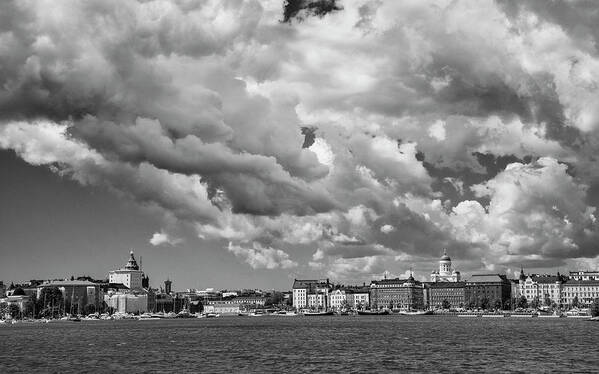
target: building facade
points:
(485, 290)
(453, 293)
(77, 295)
(585, 291)
(311, 293)
(397, 294)
(131, 276)
(584, 275)
(546, 289)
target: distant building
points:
(168, 286)
(126, 292)
(452, 292)
(584, 275)
(77, 295)
(130, 275)
(311, 294)
(445, 273)
(487, 287)
(397, 294)
(541, 287)
(358, 297)
(129, 302)
(338, 299)
(2, 289)
(585, 290)
(222, 308)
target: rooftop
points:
(67, 283)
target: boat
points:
(211, 315)
(373, 312)
(325, 313)
(74, 319)
(416, 312)
(243, 314)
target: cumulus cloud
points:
(162, 238)
(259, 257)
(371, 131)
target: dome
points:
(131, 264)
(445, 257)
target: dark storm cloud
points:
(299, 9)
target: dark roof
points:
(487, 278)
(309, 283)
(572, 282)
(447, 284)
(546, 279)
(118, 286)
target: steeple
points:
(522, 276)
(131, 264)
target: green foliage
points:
(445, 304)
(535, 303)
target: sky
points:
(243, 143)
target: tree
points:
(50, 301)
(89, 309)
(498, 304)
(483, 303)
(547, 300)
(14, 310)
(445, 304)
(595, 308)
(575, 302)
(522, 302)
(535, 302)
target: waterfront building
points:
(127, 302)
(358, 297)
(544, 288)
(129, 290)
(130, 275)
(311, 293)
(585, 290)
(397, 294)
(220, 307)
(452, 292)
(445, 273)
(19, 300)
(78, 296)
(484, 290)
(338, 299)
(584, 275)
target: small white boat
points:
(416, 312)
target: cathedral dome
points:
(445, 257)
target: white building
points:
(338, 299)
(129, 302)
(311, 294)
(585, 290)
(542, 287)
(584, 275)
(445, 272)
(130, 276)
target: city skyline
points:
(252, 143)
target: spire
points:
(522, 276)
(131, 264)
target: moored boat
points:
(325, 313)
(373, 312)
(416, 312)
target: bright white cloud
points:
(259, 257)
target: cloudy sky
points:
(244, 143)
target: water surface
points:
(280, 344)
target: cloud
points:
(162, 238)
(259, 257)
(467, 125)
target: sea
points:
(300, 344)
